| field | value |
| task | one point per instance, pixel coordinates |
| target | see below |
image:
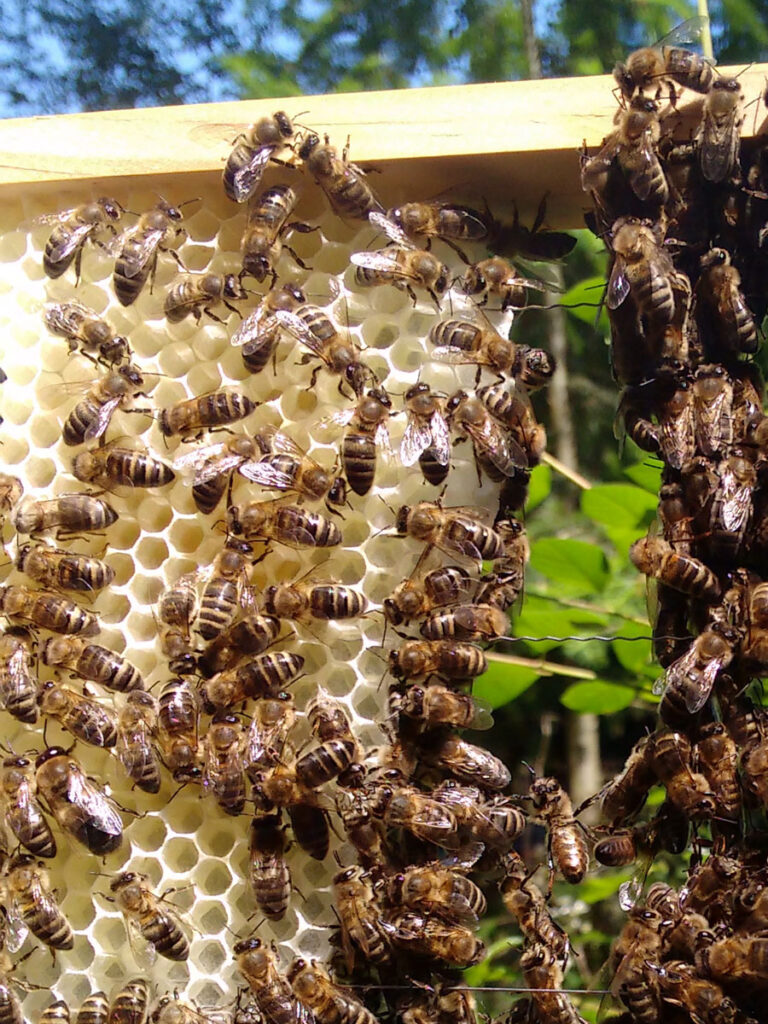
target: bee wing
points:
(88, 799)
(144, 952)
(642, 165)
(618, 284)
(134, 749)
(200, 456)
(429, 821)
(737, 509)
(417, 437)
(382, 441)
(381, 260)
(296, 326)
(253, 328)
(59, 316)
(138, 259)
(267, 475)
(441, 438)
(719, 138)
(689, 34)
(390, 229)
(100, 424)
(708, 420)
(70, 242)
(16, 931)
(247, 177)
(19, 681)
(281, 443)
(454, 354)
(598, 164)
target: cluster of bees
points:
(684, 224)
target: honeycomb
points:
(183, 840)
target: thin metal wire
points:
(487, 988)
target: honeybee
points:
(306, 601)
(83, 328)
(656, 557)
(69, 513)
(280, 786)
(285, 466)
(224, 773)
(737, 958)
(93, 662)
(496, 276)
(140, 246)
(526, 903)
(325, 762)
(176, 610)
(643, 269)
(328, 718)
(466, 622)
(257, 676)
(567, 845)
(731, 509)
(717, 757)
(48, 610)
(214, 465)
(367, 433)
(650, 66)
(171, 1010)
(687, 790)
(93, 1009)
(436, 705)
(418, 813)
(495, 450)
(146, 912)
(73, 228)
(328, 1002)
(690, 679)
(253, 150)
(719, 132)
(59, 569)
(342, 181)
(177, 730)
(633, 144)
(91, 417)
(223, 592)
(466, 761)
(250, 635)
(191, 416)
(426, 439)
(458, 531)
(198, 293)
(268, 871)
(22, 813)
(638, 944)
(111, 465)
(11, 490)
(464, 341)
(418, 659)
(416, 596)
(131, 1004)
(18, 686)
(424, 935)
(136, 725)
(435, 889)
(287, 524)
(361, 828)
(55, 1013)
(271, 992)
(703, 999)
(267, 222)
(401, 264)
(447, 221)
(543, 974)
(10, 1007)
(85, 718)
(32, 905)
(359, 916)
(726, 318)
(623, 796)
(259, 331)
(77, 802)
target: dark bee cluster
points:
(684, 222)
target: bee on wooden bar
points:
(91, 417)
(196, 294)
(464, 341)
(69, 514)
(288, 524)
(62, 570)
(86, 330)
(266, 225)
(191, 416)
(268, 871)
(86, 719)
(650, 67)
(73, 229)
(18, 684)
(224, 772)
(22, 813)
(147, 913)
(112, 465)
(401, 264)
(633, 144)
(136, 261)
(719, 133)
(136, 727)
(78, 803)
(343, 182)
(253, 149)
(92, 662)
(48, 610)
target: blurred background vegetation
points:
(573, 708)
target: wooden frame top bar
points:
(506, 142)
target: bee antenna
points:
(531, 770)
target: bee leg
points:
(458, 250)
(78, 264)
(179, 261)
(212, 315)
(297, 259)
(297, 225)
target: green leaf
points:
(597, 698)
(618, 504)
(539, 486)
(502, 683)
(579, 565)
(646, 475)
(582, 300)
(600, 887)
(634, 655)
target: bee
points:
(656, 557)
(416, 596)
(73, 229)
(224, 773)
(178, 717)
(543, 974)
(253, 150)
(10, 1007)
(287, 524)
(731, 508)
(359, 913)
(496, 276)
(418, 813)
(426, 439)
(268, 871)
(725, 316)
(267, 222)
(719, 132)
(466, 762)
(92, 662)
(496, 451)
(281, 786)
(458, 531)
(366, 434)
(401, 264)
(305, 601)
(136, 726)
(190, 417)
(91, 417)
(633, 144)
(343, 182)
(171, 1010)
(643, 269)
(93, 1009)
(214, 465)
(504, 584)
(455, 661)
(717, 758)
(622, 797)
(223, 593)
(737, 958)
(437, 705)
(259, 331)
(328, 718)
(56, 1013)
(649, 66)
(435, 889)
(271, 992)
(31, 902)
(526, 903)
(18, 686)
(23, 814)
(567, 845)
(131, 1004)
(11, 490)
(111, 465)
(689, 680)
(250, 635)
(86, 719)
(140, 246)
(69, 513)
(176, 610)
(328, 1002)
(686, 789)
(361, 828)
(464, 341)
(466, 622)
(427, 935)
(255, 677)
(711, 888)
(78, 803)
(61, 570)
(145, 912)
(447, 221)
(85, 329)
(199, 293)
(48, 610)
(513, 409)
(325, 762)
(634, 983)
(703, 999)
(285, 466)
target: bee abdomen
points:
(217, 608)
(325, 762)
(78, 422)
(433, 471)
(358, 456)
(336, 602)
(167, 938)
(46, 921)
(208, 494)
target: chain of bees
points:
(684, 223)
